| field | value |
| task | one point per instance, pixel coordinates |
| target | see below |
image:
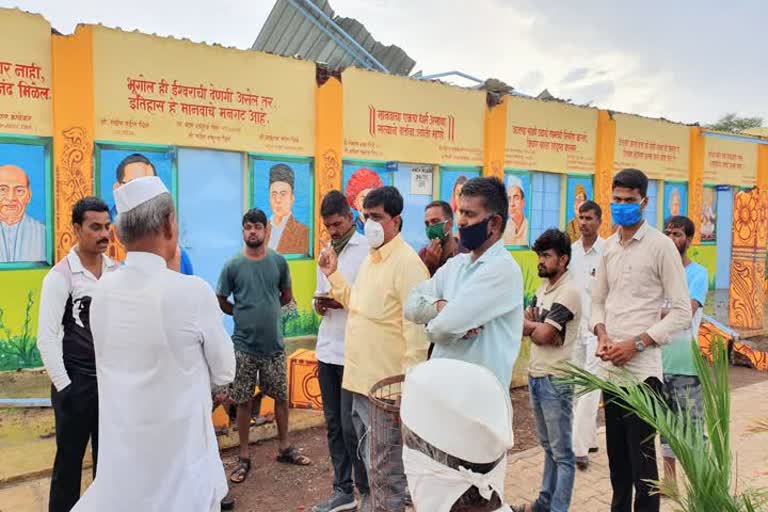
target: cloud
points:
(575, 75)
(660, 56)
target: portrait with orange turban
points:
(360, 183)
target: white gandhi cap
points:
(458, 407)
(138, 191)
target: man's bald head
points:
(15, 194)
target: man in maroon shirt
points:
(438, 222)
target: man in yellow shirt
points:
(379, 342)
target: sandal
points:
(240, 473)
(292, 456)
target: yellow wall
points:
(94, 72)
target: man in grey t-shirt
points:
(259, 281)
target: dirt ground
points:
(273, 487)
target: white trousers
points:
(585, 407)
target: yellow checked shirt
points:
(379, 342)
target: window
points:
(545, 207)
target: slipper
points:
(240, 473)
(292, 456)
(227, 503)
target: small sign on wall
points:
(421, 180)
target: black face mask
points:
(475, 235)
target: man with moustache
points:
(586, 252)
(552, 324)
(682, 386)
(351, 249)
(65, 342)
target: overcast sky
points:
(686, 60)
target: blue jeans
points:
(552, 405)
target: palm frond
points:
(707, 463)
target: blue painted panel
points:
(724, 232)
(210, 210)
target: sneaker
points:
(582, 463)
(338, 502)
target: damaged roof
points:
(310, 29)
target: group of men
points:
(139, 373)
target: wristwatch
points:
(639, 344)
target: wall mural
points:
(116, 167)
(451, 181)
(518, 192)
(675, 199)
(24, 199)
(358, 179)
(579, 190)
(709, 215)
(283, 188)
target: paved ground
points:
(592, 491)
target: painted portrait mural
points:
(451, 181)
(675, 199)
(360, 178)
(283, 188)
(116, 167)
(579, 190)
(24, 200)
(709, 215)
(518, 192)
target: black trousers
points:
(76, 411)
(631, 456)
(342, 440)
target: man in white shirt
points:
(586, 252)
(351, 249)
(66, 347)
(160, 346)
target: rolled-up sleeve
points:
(53, 302)
(217, 345)
(675, 286)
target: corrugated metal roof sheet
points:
(293, 29)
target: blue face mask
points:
(626, 214)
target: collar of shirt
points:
(597, 246)
(356, 239)
(145, 260)
(77, 267)
(492, 252)
(639, 234)
(381, 254)
(563, 279)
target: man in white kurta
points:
(160, 346)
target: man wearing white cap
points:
(455, 444)
(160, 345)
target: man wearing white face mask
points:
(456, 443)
(379, 342)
